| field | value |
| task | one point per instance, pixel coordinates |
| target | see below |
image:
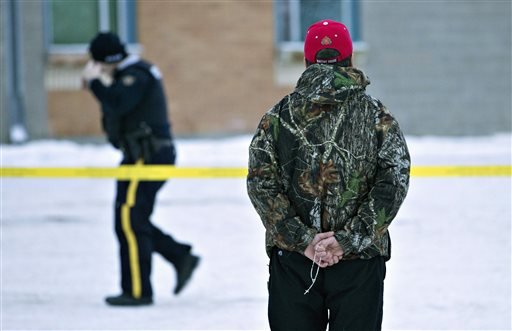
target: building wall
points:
(22, 61)
(4, 116)
(442, 67)
(73, 113)
(32, 63)
(217, 61)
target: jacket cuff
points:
(344, 242)
(307, 238)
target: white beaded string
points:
(313, 279)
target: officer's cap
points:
(107, 47)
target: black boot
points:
(184, 271)
(128, 300)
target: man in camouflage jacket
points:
(328, 171)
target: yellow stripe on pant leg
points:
(133, 250)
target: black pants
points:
(347, 296)
(138, 237)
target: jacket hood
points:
(328, 84)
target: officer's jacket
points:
(136, 95)
(328, 157)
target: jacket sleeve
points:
(123, 95)
(387, 193)
(265, 189)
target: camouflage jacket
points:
(328, 157)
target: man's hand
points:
(330, 250)
(321, 258)
(91, 71)
(324, 250)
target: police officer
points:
(135, 120)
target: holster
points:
(141, 143)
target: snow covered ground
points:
(451, 265)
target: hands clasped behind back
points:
(324, 250)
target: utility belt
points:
(142, 143)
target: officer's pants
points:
(347, 296)
(138, 237)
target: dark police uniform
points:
(135, 120)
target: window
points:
(70, 24)
(293, 17)
(69, 27)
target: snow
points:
(450, 270)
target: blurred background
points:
(442, 67)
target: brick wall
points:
(217, 61)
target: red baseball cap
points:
(327, 34)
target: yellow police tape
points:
(147, 172)
(160, 172)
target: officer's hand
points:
(91, 71)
